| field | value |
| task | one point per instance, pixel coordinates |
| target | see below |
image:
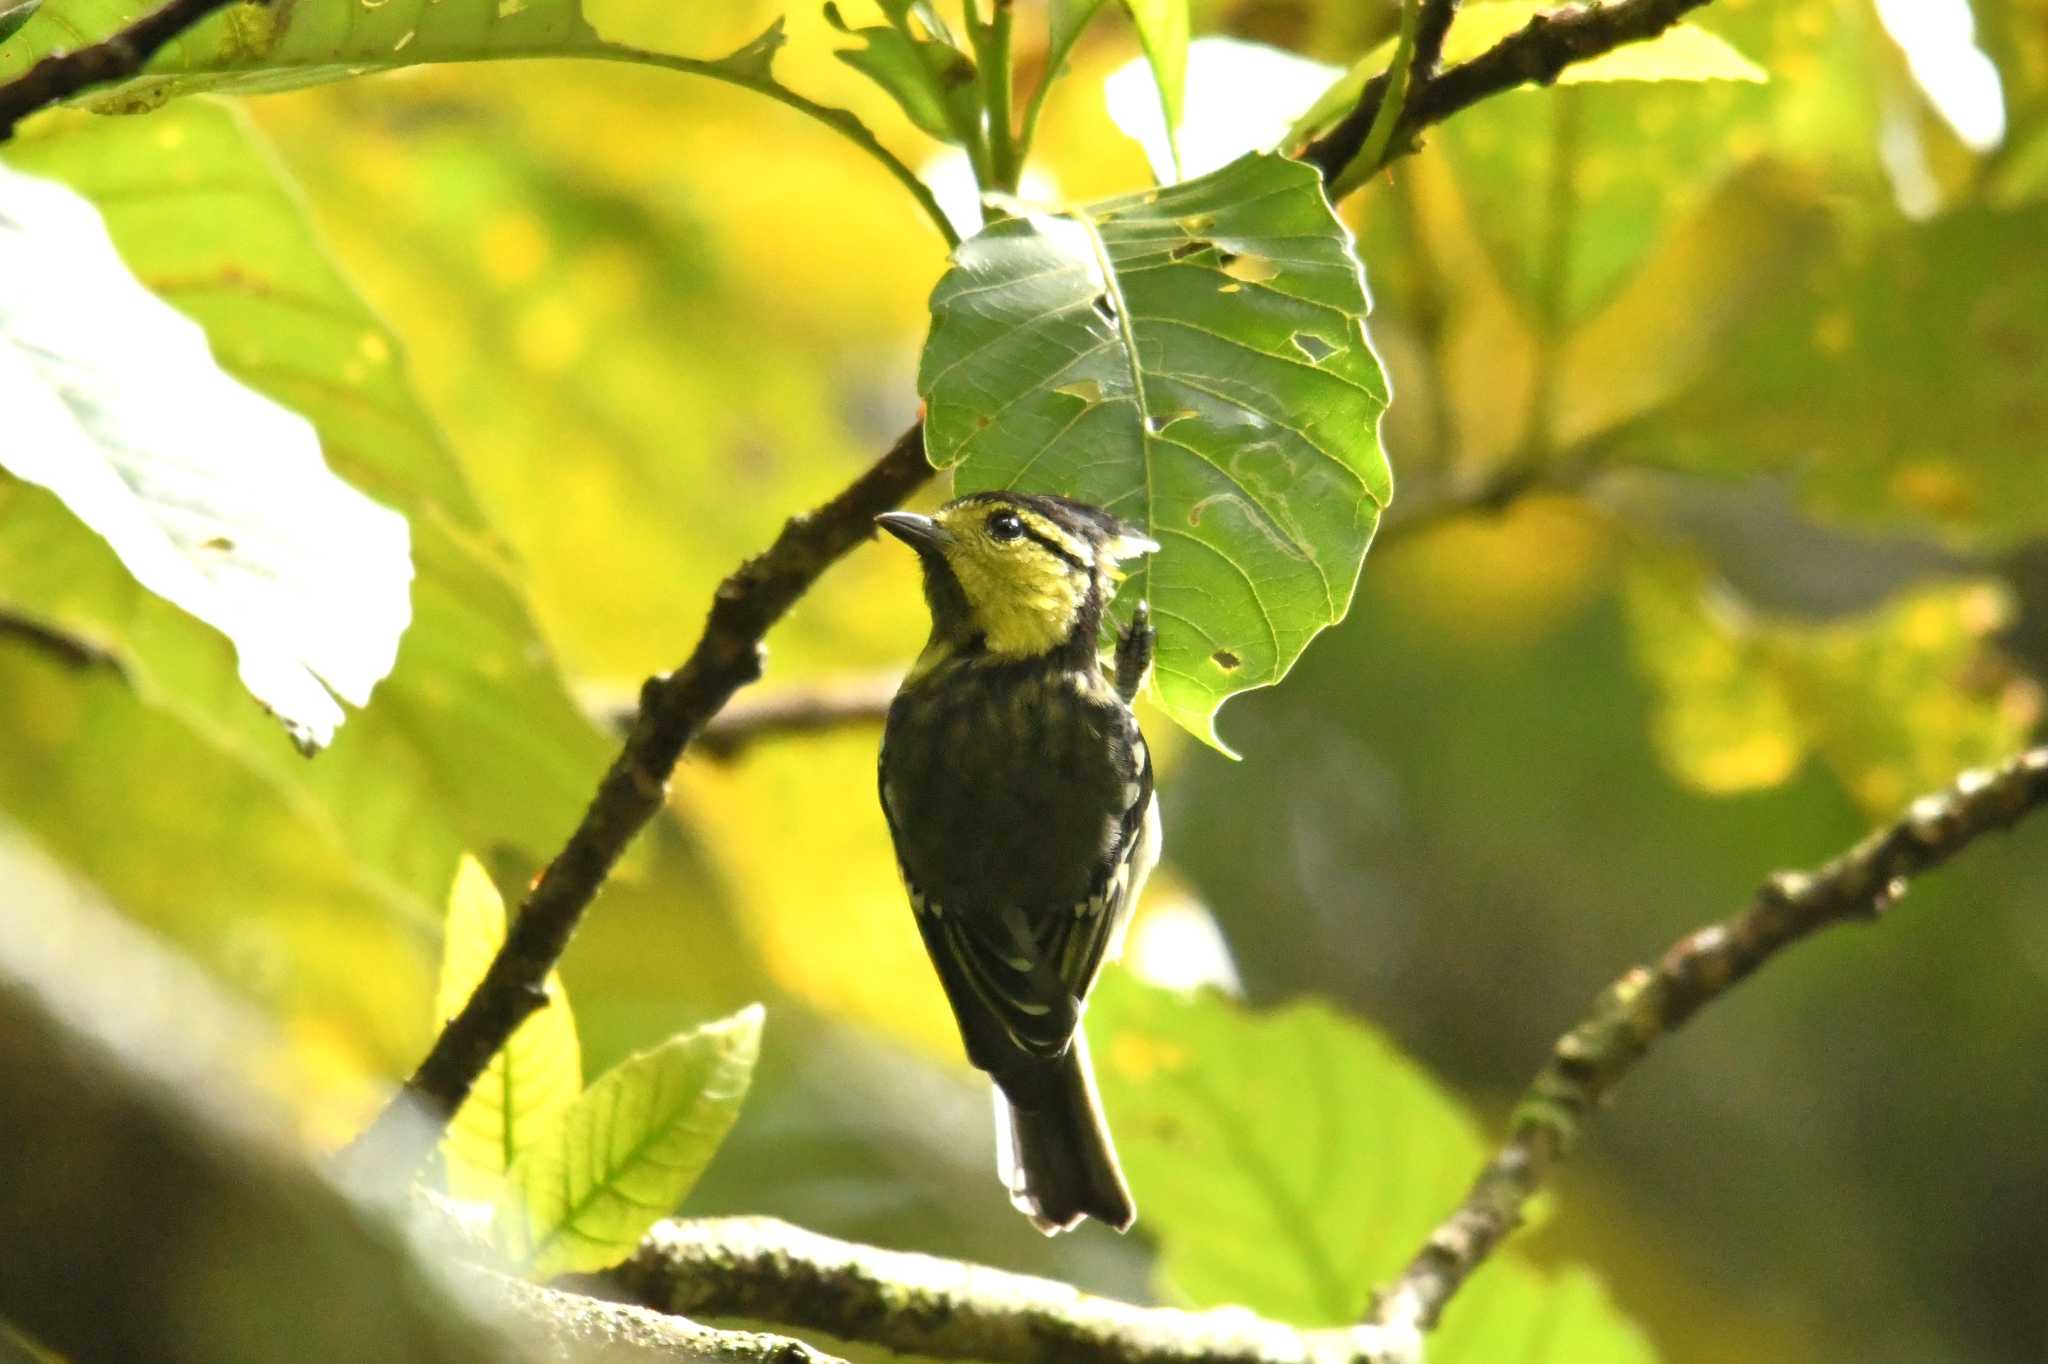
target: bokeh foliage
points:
(597, 330)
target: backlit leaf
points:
(1288, 1160)
(532, 1079)
(624, 1154)
(214, 497)
(1514, 1311)
(1292, 1161)
(1194, 359)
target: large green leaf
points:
(534, 1077)
(1893, 701)
(1515, 1313)
(625, 1153)
(1292, 1161)
(473, 741)
(1194, 359)
(213, 496)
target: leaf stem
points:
(997, 92)
(839, 121)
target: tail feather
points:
(1053, 1148)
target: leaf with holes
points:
(534, 1077)
(1194, 359)
(215, 498)
(623, 1155)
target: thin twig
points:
(60, 76)
(673, 711)
(1533, 55)
(1646, 1004)
(765, 1270)
(807, 710)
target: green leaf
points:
(1288, 1160)
(932, 81)
(1894, 701)
(1293, 1160)
(1513, 1311)
(216, 498)
(251, 47)
(473, 741)
(624, 1154)
(1195, 359)
(532, 1080)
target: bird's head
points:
(1026, 573)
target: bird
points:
(1018, 792)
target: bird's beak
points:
(921, 533)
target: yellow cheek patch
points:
(1023, 598)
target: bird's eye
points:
(1004, 525)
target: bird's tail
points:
(1053, 1149)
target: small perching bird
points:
(1019, 794)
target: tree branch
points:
(673, 711)
(1646, 1004)
(1535, 54)
(58, 77)
(766, 1270)
(596, 1331)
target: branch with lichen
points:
(1648, 1003)
(765, 1270)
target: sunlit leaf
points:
(1195, 360)
(214, 497)
(532, 1079)
(1893, 701)
(624, 1154)
(250, 47)
(1289, 1160)
(1516, 1312)
(472, 740)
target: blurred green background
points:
(1760, 368)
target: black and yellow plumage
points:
(1019, 794)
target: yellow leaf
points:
(533, 1080)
